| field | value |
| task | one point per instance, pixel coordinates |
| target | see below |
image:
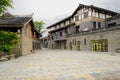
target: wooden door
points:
(78, 45)
(70, 44)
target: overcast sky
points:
(50, 11)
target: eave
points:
(61, 28)
(59, 22)
(9, 25)
(102, 10)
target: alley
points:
(49, 64)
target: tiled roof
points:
(59, 21)
(14, 20)
(82, 6)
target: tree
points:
(4, 5)
(39, 26)
(7, 41)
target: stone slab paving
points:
(49, 64)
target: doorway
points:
(78, 45)
(70, 44)
(99, 45)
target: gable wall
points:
(27, 39)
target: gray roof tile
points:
(14, 20)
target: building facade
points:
(24, 27)
(89, 28)
(44, 42)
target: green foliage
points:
(4, 5)
(39, 26)
(7, 41)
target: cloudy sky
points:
(50, 11)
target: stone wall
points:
(26, 39)
(26, 45)
(113, 38)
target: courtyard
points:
(49, 64)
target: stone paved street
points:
(62, 65)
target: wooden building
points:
(24, 27)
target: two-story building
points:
(24, 27)
(89, 28)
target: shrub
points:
(7, 41)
